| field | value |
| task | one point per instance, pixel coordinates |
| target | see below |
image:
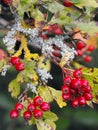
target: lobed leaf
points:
(81, 3)
(32, 121)
(14, 88)
(91, 75)
(45, 125)
(90, 27)
(57, 96)
(50, 116)
(54, 7)
(1, 64)
(45, 93)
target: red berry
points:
(27, 115)
(82, 101)
(7, 2)
(56, 53)
(88, 89)
(88, 96)
(31, 107)
(58, 31)
(75, 102)
(66, 97)
(67, 80)
(38, 114)
(18, 106)
(14, 114)
(76, 84)
(73, 91)
(91, 48)
(79, 52)
(38, 100)
(52, 27)
(80, 91)
(77, 74)
(65, 89)
(20, 66)
(87, 58)
(15, 60)
(45, 106)
(67, 3)
(80, 45)
(84, 83)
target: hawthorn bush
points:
(46, 32)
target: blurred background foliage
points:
(69, 118)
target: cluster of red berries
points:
(35, 109)
(76, 90)
(52, 30)
(17, 63)
(7, 2)
(80, 46)
(56, 29)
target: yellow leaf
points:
(14, 88)
(42, 125)
(90, 104)
(50, 116)
(57, 96)
(45, 93)
(24, 25)
(95, 93)
(42, 65)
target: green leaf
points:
(20, 77)
(62, 20)
(81, 3)
(37, 15)
(45, 125)
(57, 96)
(22, 111)
(45, 93)
(50, 116)
(27, 5)
(32, 121)
(29, 74)
(14, 88)
(90, 27)
(2, 63)
(91, 75)
(54, 7)
(95, 93)
(30, 65)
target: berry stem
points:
(67, 71)
(24, 96)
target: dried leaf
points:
(45, 125)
